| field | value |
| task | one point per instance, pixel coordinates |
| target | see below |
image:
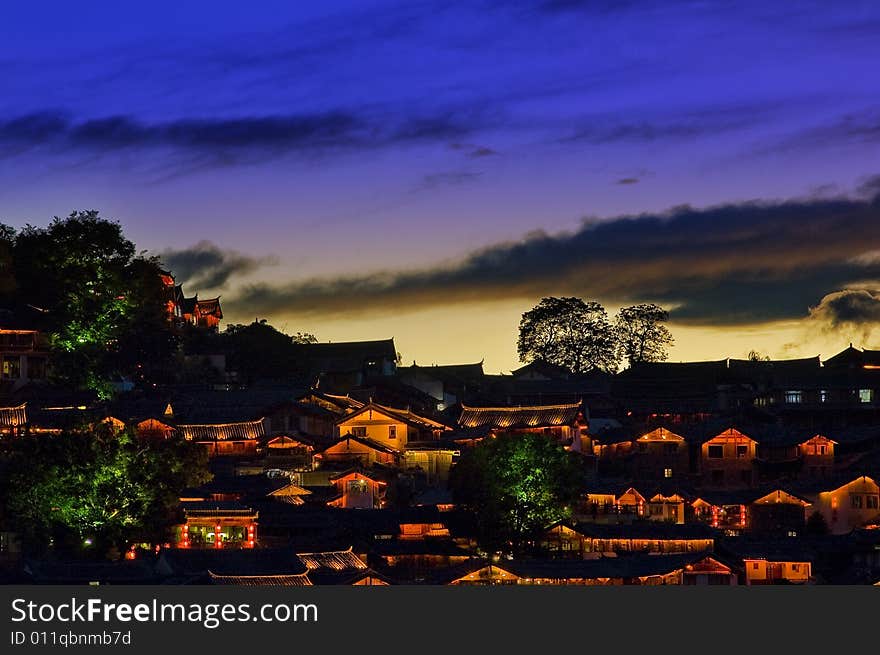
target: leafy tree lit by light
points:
(515, 486)
(110, 488)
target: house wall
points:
(850, 506)
(764, 572)
(735, 468)
(350, 450)
(377, 427)
(653, 459)
(818, 457)
(435, 463)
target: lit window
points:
(866, 395)
(823, 396)
(667, 473)
(11, 367)
(793, 397)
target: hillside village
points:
(722, 472)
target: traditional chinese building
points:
(448, 384)
(615, 571)
(582, 539)
(727, 460)
(361, 451)
(659, 455)
(217, 524)
(394, 428)
(24, 356)
(237, 438)
(356, 490)
(567, 423)
(849, 506)
(347, 364)
(189, 310)
(13, 420)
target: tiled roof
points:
(403, 415)
(369, 443)
(632, 566)
(519, 417)
(210, 306)
(445, 372)
(222, 431)
(245, 562)
(301, 580)
(338, 560)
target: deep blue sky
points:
(318, 144)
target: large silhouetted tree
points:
(568, 332)
(641, 335)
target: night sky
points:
(430, 170)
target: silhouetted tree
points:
(568, 332)
(259, 350)
(641, 335)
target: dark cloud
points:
(848, 307)
(854, 313)
(735, 264)
(627, 180)
(474, 151)
(230, 138)
(207, 266)
(448, 178)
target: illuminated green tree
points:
(94, 489)
(515, 486)
(82, 282)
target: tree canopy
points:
(577, 335)
(259, 350)
(514, 486)
(110, 489)
(641, 335)
(568, 332)
(82, 282)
